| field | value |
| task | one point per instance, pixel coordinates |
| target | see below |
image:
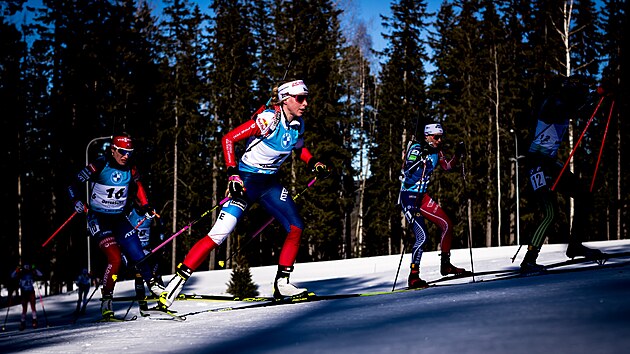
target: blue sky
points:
(370, 10)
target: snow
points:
(570, 312)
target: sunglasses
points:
(437, 137)
(300, 98)
(124, 152)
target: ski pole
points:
(472, 266)
(59, 229)
(41, 301)
(222, 263)
(576, 145)
(182, 230)
(90, 298)
(8, 307)
(601, 149)
(517, 251)
(129, 308)
(402, 253)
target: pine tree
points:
(403, 109)
(184, 135)
(241, 284)
(14, 124)
(308, 36)
(616, 47)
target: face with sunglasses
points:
(295, 106)
(121, 155)
(434, 140)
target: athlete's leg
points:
(409, 202)
(432, 211)
(227, 220)
(277, 201)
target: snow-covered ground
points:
(571, 312)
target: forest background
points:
(80, 71)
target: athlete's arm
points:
(242, 132)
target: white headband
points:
(432, 129)
(292, 88)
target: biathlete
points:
(421, 160)
(271, 137)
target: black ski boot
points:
(22, 325)
(529, 265)
(447, 268)
(414, 281)
(140, 292)
(577, 249)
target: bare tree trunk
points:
(389, 197)
(619, 206)
(565, 33)
(494, 86)
(19, 207)
(362, 166)
(403, 221)
(215, 200)
(470, 237)
(513, 214)
(489, 183)
(174, 228)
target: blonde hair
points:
(274, 96)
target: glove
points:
(460, 149)
(148, 211)
(79, 207)
(236, 187)
(321, 169)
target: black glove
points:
(460, 149)
(79, 207)
(321, 169)
(148, 211)
(235, 183)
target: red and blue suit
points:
(271, 138)
(110, 188)
(421, 161)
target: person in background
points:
(113, 183)
(143, 224)
(421, 160)
(271, 137)
(84, 282)
(562, 104)
(26, 276)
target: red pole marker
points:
(59, 229)
(576, 144)
(601, 149)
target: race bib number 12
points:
(538, 180)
